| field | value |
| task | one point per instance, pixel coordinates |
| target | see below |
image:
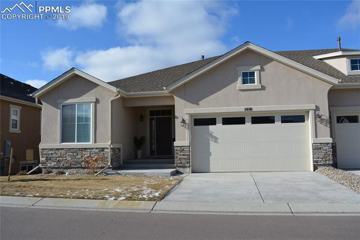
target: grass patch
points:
(137, 188)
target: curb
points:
(288, 209)
(66, 203)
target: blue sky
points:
(114, 39)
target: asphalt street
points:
(39, 223)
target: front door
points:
(161, 140)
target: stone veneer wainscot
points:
(74, 159)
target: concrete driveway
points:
(261, 187)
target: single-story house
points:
(250, 109)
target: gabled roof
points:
(248, 45)
(66, 75)
(165, 78)
(12, 88)
(306, 58)
(160, 82)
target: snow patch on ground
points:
(149, 193)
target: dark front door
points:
(161, 141)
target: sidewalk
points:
(184, 207)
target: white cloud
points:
(160, 34)
(87, 15)
(351, 18)
(57, 58)
(117, 62)
(36, 83)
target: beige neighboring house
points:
(250, 109)
(19, 126)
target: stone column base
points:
(182, 158)
(324, 154)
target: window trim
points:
(351, 72)
(92, 129)
(11, 129)
(252, 86)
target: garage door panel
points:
(347, 137)
(265, 147)
(201, 139)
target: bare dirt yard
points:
(137, 188)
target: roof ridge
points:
(161, 69)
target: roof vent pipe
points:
(339, 42)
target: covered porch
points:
(147, 133)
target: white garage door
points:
(268, 142)
(347, 137)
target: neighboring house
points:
(19, 126)
(250, 109)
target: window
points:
(159, 113)
(14, 118)
(76, 123)
(233, 121)
(355, 64)
(293, 119)
(248, 77)
(347, 119)
(204, 121)
(263, 120)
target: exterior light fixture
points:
(183, 122)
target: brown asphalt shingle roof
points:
(157, 80)
(305, 57)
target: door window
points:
(263, 120)
(204, 121)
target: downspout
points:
(110, 142)
(117, 96)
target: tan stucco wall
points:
(282, 85)
(344, 97)
(339, 63)
(75, 88)
(123, 127)
(148, 101)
